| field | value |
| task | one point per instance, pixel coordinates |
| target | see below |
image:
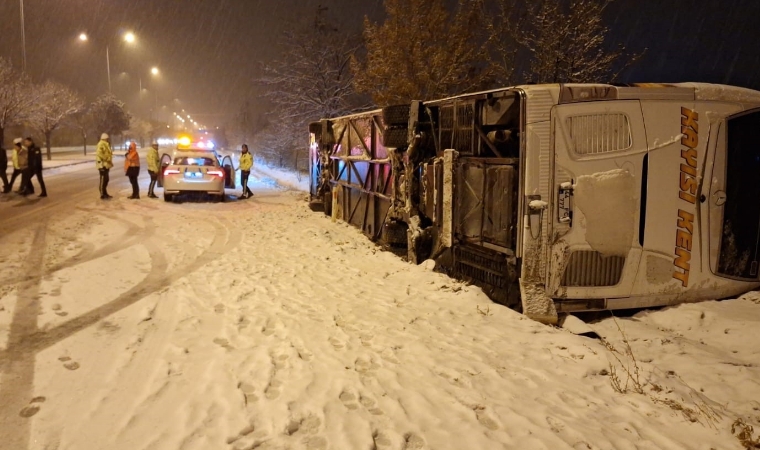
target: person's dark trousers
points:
(3, 169)
(26, 182)
(38, 174)
(152, 185)
(14, 175)
(244, 174)
(103, 183)
(132, 174)
(4, 177)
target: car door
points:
(166, 160)
(229, 172)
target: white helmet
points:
(104, 136)
(17, 141)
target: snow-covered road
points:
(260, 324)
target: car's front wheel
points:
(168, 197)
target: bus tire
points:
(327, 203)
(395, 115)
(395, 137)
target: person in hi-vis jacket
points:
(246, 163)
(153, 163)
(132, 169)
(104, 162)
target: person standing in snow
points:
(3, 170)
(246, 163)
(153, 163)
(26, 187)
(132, 169)
(16, 167)
(35, 165)
(104, 162)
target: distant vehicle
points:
(195, 169)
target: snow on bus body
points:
(574, 196)
(668, 207)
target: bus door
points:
(600, 155)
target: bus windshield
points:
(741, 213)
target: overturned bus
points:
(558, 198)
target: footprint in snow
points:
(249, 391)
(336, 343)
(222, 342)
(68, 363)
(273, 390)
(413, 442)
(371, 405)
(57, 309)
(33, 408)
(366, 339)
(280, 361)
(243, 433)
(304, 354)
(349, 400)
(484, 418)
(381, 439)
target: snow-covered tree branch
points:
(312, 80)
(55, 102)
(564, 40)
(16, 97)
(423, 51)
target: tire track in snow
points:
(17, 360)
(17, 381)
(156, 280)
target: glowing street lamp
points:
(128, 37)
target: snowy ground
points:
(260, 324)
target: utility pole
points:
(23, 36)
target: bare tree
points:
(501, 45)
(423, 51)
(282, 142)
(566, 41)
(243, 125)
(109, 115)
(55, 102)
(312, 80)
(15, 97)
(83, 122)
(141, 130)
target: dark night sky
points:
(209, 51)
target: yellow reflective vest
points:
(103, 155)
(246, 161)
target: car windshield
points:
(194, 161)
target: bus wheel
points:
(396, 115)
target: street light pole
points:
(23, 36)
(128, 37)
(108, 68)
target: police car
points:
(195, 168)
